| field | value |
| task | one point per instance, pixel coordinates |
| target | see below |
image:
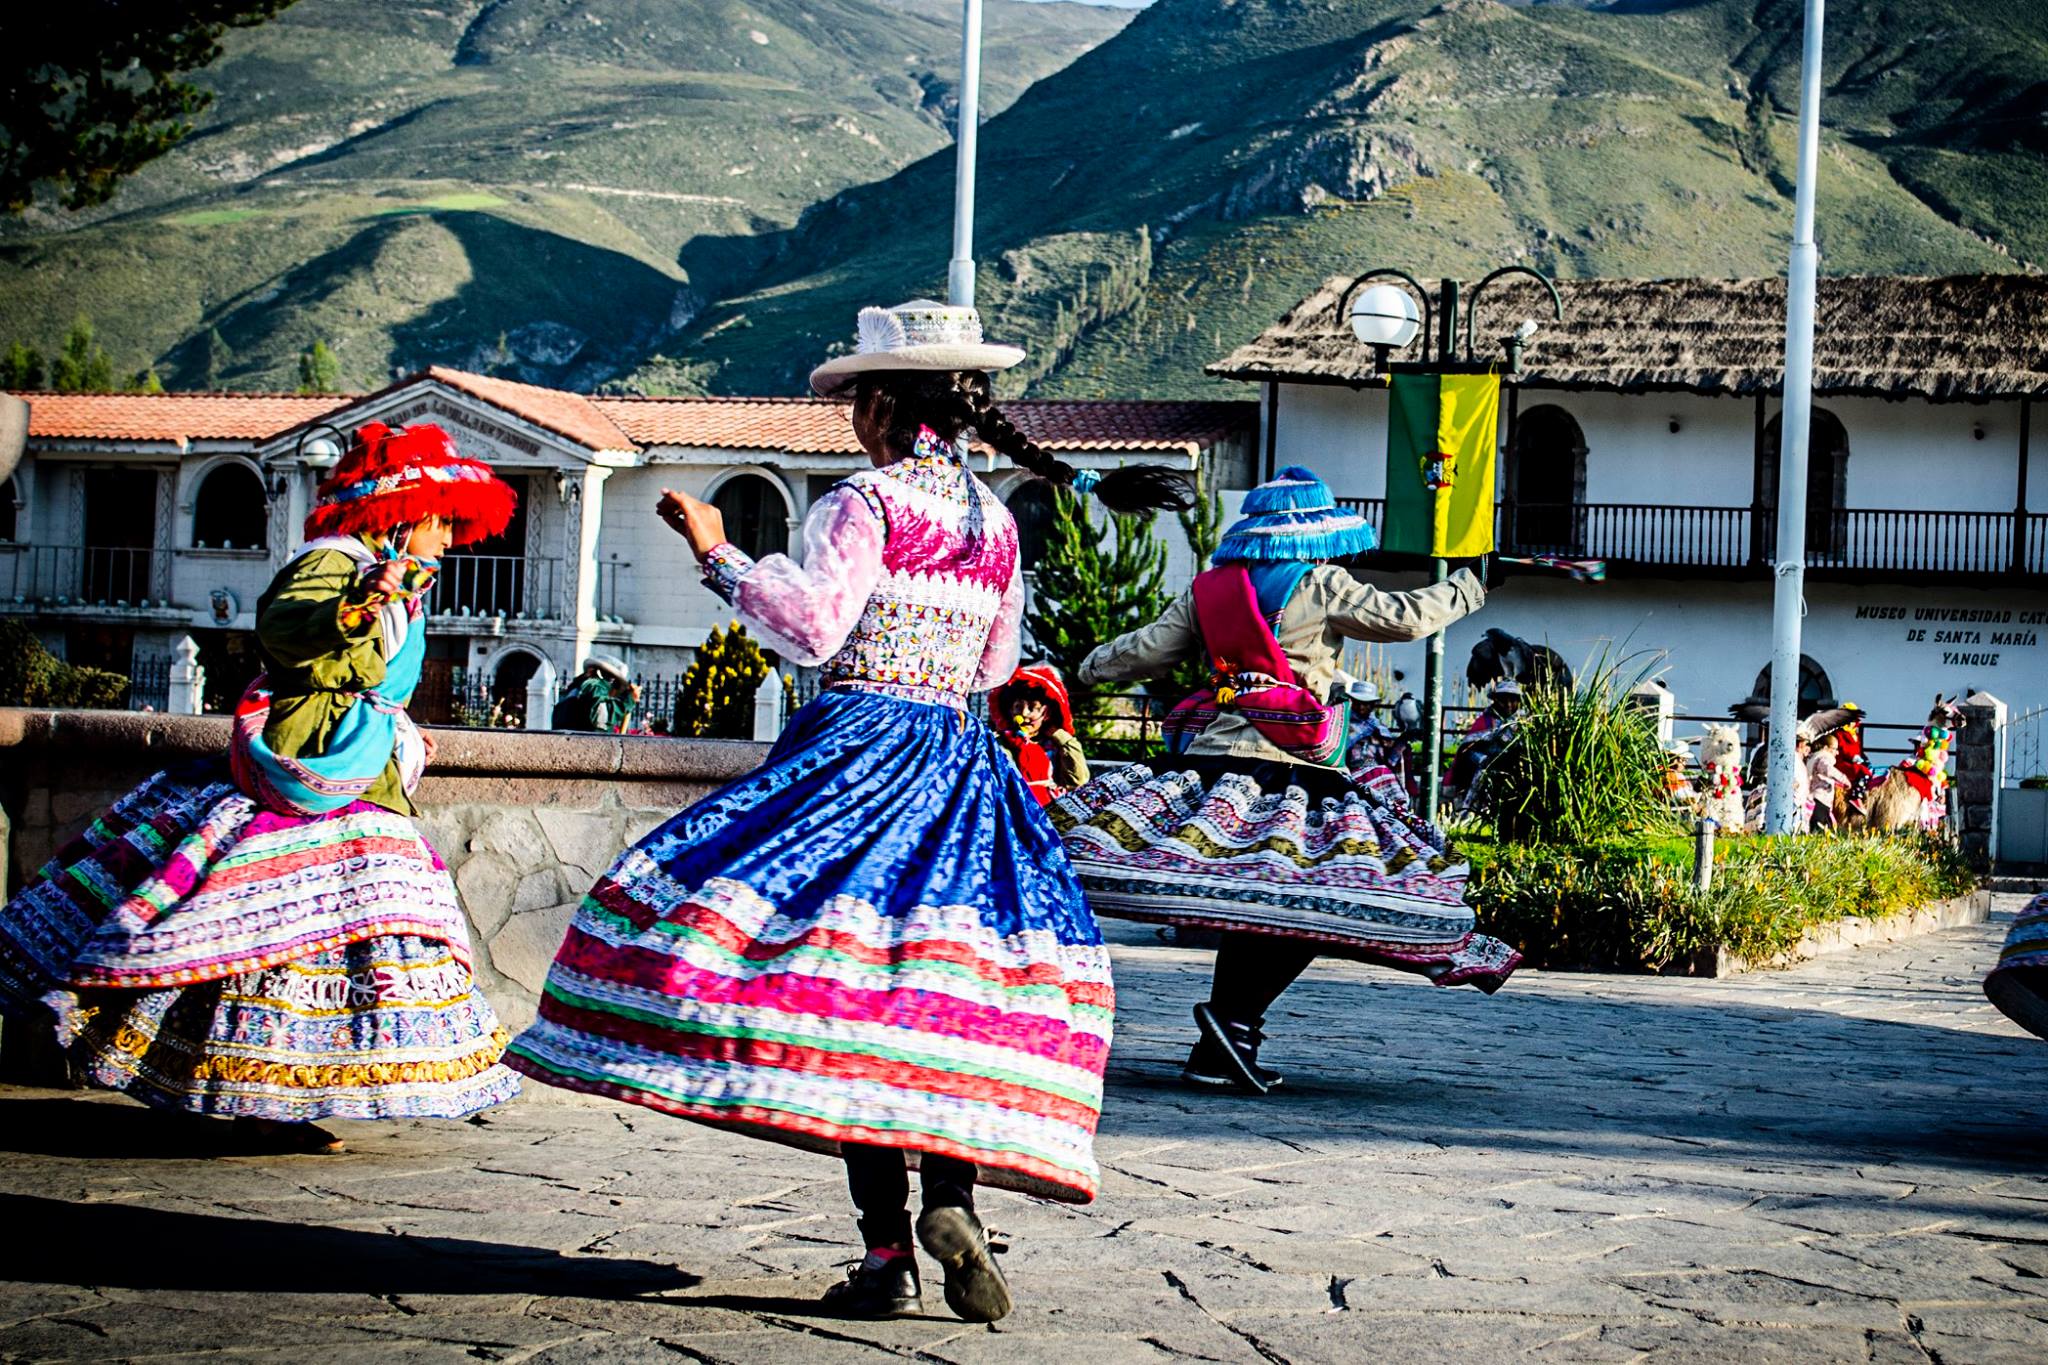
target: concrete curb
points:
(1846, 935)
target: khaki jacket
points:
(1329, 606)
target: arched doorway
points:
(756, 514)
(1827, 480)
(1548, 468)
(229, 512)
(1816, 689)
(1035, 511)
(509, 676)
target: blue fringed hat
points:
(1293, 517)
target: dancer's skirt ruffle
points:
(873, 938)
(207, 955)
(2018, 985)
(1361, 875)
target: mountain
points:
(1170, 193)
(540, 188)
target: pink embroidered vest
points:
(925, 626)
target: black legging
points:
(1253, 969)
(879, 1178)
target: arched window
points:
(1815, 688)
(8, 528)
(1033, 507)
(514, 670)
(756, 517)
(1827, 480)
(1548, 468)
(229, 513)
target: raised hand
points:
(693, 519)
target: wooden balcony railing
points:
(1864, 540)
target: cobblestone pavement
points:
(1838, 1162)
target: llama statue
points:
(1914, 794)
(1721, 779)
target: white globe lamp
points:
(322, 452)
(1385, 317)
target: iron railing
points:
(511, 586)
(609, 573)
(1862, 539)
(92, 576)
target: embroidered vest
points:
(1251, 676)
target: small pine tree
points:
(146, 382)
(319, 371)
(217, 358)
(83, 366)
(716, 698)
(22, 368)
(1089, 594)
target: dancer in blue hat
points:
(1251, 825)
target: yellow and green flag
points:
(1441, 428)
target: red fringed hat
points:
(394, 477)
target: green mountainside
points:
(1172, 192)
(540, 188)
(696, 195)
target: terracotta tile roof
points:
(820, 426)
(567, 414)
(175, 418)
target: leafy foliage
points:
(1584, 765)
(90, 92)
(1630, 904)
(1089, 593)
(1202, 526)
(716, 698)
(83, 366)
(22, 367)
(319, 371)
(32, 676)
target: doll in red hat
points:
(265, 936)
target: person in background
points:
(1824, 780)
(602, 699)
(1032, 717)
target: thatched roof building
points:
(1957, 338)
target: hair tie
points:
(1085, 481)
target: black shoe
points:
(878, 1289)
(1206, 1067)
(1233, 1052)
(975, 1288)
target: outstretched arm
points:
(804, 612)
(1362, 612)
(1148, 651)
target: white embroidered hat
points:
(919, 335)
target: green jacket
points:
(315, 666)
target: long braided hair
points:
(903, 401)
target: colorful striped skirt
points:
(873, 938)
(2018, 985)
(1216, 843)
(207, 955)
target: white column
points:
(188, 679)
(540, 697)
(768, 707)
(960, 270)
(1789, 600)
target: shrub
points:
(1584, 765)
(32, 676)
(716, 697)
(1629, 904)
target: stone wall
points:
(525, 821)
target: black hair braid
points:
(1128, 488)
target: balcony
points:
(1871, 543)
(511, 586)
(110, 577)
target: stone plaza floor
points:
(1839, 1162)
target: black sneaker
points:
(1233, 1052)
(1207, 1068)
(975, 1288)
(878, 1288)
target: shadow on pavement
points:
(121, 1246)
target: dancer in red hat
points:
(265, 935)
(1031, 716)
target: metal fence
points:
(511, 586)
(149, 684)
(94, 575)
(2024, 754)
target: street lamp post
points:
(1384, 317)
(960, 270)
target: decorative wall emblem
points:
(224, 607)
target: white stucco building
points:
(136, 519)
(1643, 431)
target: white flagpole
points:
(960, 271)
(1795, 423)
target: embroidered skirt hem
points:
(2018, 985)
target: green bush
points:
(1584, 765)
(1629, 903)
(716, 698)
(32, 676)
